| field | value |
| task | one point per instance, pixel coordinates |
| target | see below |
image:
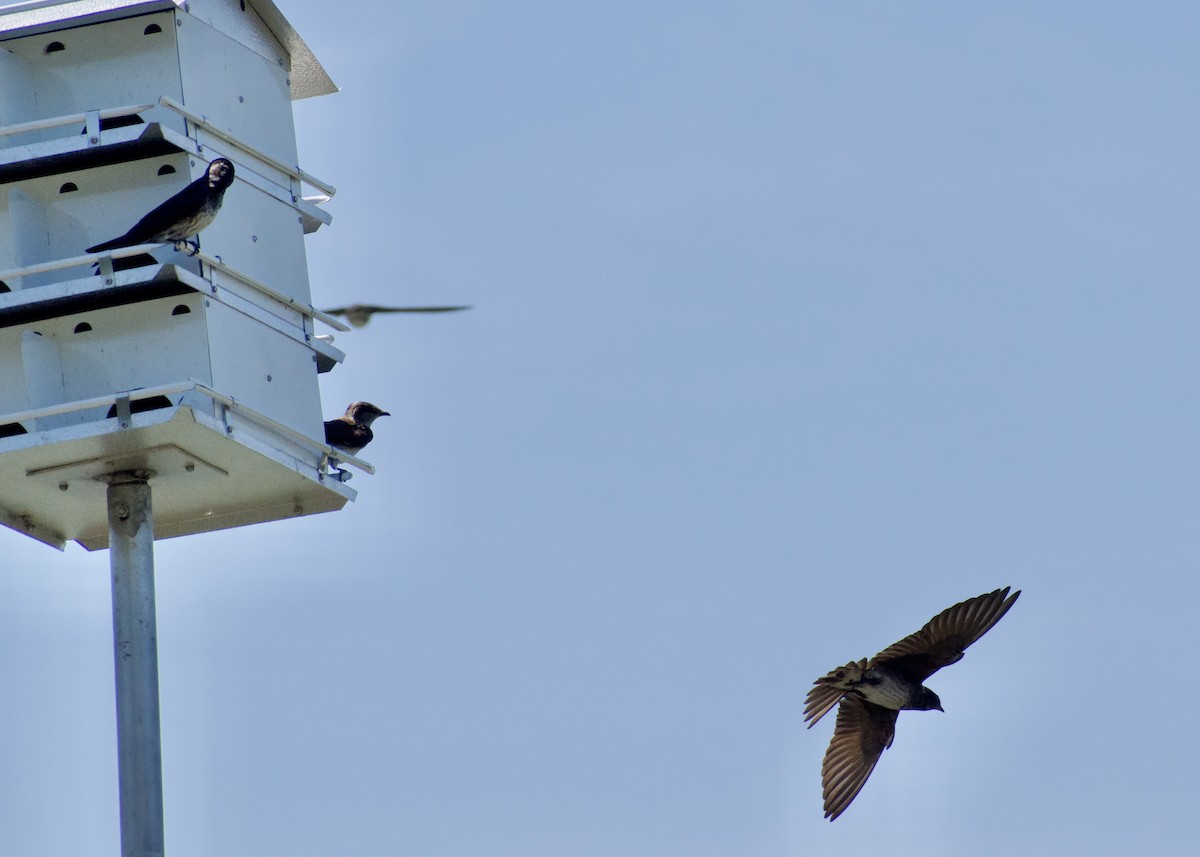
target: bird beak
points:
(384, 414)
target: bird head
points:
(220, 173)
(928, 701)
(365, 413)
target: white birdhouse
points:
(201, 368)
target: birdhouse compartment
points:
(154, 343)
(258, 231)
(58, 216)
(116, 63)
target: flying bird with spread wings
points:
(359, 315)
(183, 215)
(871, 694)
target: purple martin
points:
(360, 314)
(873, 693)
(352, 432)
(183, 215)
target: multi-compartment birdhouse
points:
(202, 367)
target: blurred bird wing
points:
(828, 690)
(368, 309)
(422, 308)
(944, 638)
(863, 732)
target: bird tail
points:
(107, 245)
(829, 689)
(845, 678)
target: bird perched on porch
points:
(871, 694)
(352, 431)
(183, 215)
(359, 315)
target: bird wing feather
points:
(372, 308)
(160, 218)
(340, 432)
(169, 213)
(863, 732)
(944, 638)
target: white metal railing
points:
(328, 453)
(305, 309)
(72, 119)
(26, 6)
(98, 402)
(292, 170)
(77, 261)
(123, 252)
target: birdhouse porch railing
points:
(104, 269)
(96, 136)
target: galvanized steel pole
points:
(135, 649)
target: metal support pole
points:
(135, 649)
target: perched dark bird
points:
(183, 215)
(873, 693)
(360, 314)
(352, 432)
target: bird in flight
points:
(873, 693)
(183, 215)
(360, 314)
(352, 431)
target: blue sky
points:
(793, 325)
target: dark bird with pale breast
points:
(871, 694)
(359, 315)
(352, 431)
(183, 215)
